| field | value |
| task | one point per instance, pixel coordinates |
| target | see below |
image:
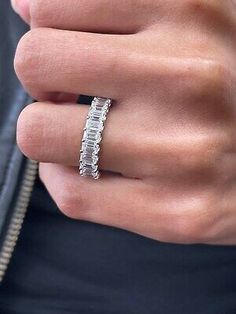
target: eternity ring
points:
(92, 137)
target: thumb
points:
(21, 7)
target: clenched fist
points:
(168, 153)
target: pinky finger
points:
(112, 200)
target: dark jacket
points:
(16, 173)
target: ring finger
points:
(53, 133)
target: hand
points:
(169, 146)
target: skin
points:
(169, 147)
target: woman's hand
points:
(169, 145)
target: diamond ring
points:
(92, 137)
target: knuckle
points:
(30, 128)
(202, 154)
(27, 57)
(193, 225)
(212, 77)
(188, 230)
(201, 3)
(71, 202)
(195, 157)
(66, 205)
(212, 8)
(205, 80)
(62, 185)
(203, 84)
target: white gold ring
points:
(92, 137)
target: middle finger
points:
(49, 61)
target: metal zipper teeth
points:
(17, 219)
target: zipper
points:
(18, 215)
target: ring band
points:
(92, 137)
